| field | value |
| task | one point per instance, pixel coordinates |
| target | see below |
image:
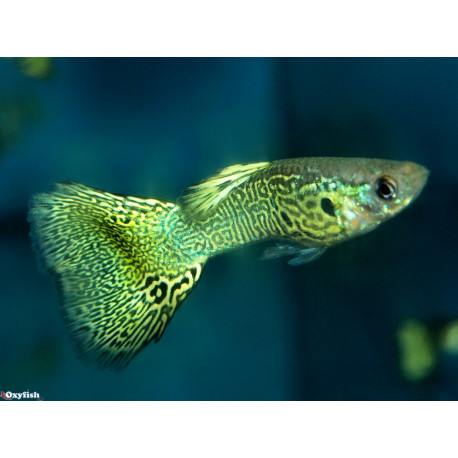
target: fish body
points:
(125, 264)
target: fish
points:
(125, 264)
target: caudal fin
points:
(120, 281)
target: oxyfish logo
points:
(9, 396)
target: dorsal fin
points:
(204, 196)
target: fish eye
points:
(385, 188)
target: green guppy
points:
(125, 264)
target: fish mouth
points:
(418, 177)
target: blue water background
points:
(252, 329)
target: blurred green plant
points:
(417, 350)
(422, 344)
(35, 67)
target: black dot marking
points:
(286, 219)
(159, 291)
(327, 206)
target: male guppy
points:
(125, 264)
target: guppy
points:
(125, 264)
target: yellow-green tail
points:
(122, 275)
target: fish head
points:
(378, 191)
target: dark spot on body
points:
(327, 206)
(310, 204)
